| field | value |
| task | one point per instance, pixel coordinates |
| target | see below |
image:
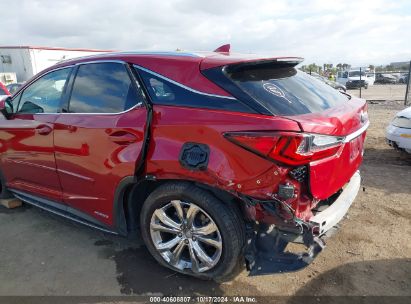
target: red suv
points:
(218, 159)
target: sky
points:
(357, 32)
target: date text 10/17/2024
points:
(203, 299)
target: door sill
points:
(61, 210)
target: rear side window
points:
(102, 88)
(2, 92)
(167, 92)
(285, 90)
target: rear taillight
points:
(288, 147)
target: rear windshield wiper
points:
(348, 95)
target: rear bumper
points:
(266, 250)
(331, 216)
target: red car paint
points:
(338, 121)
(3, 90)
(104, 150)
(80, 159)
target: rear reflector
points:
(287, 147)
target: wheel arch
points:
(131, 195)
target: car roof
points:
(182, 67)
(207, 59)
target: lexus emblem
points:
(363, 117)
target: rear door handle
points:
(122, 138)
(43, 130)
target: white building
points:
(27, 61)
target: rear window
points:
(285, 90)
(3, 92)
(166, 92)
(356, 74)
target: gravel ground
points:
(42, 254)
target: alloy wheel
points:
(186, 236)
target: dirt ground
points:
(42, 254)
(382, 92)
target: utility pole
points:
(360, 83)
(408, 85)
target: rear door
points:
(99, 136)
(26, 139)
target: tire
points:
(4, 193)
(230, 231)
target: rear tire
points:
(224, 259)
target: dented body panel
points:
(230, 167)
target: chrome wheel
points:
(186, 236)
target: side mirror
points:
(6, 107)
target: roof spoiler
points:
(265, 63)
(223, 49)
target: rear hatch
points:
(333, 124)
(348, 122)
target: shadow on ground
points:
(138, 273)
(386, 156)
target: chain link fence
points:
(384, 86)
(388, 85)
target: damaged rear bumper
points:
(330, 217)
(266, 252)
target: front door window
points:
(44, 95)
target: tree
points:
(371, 67)
(379, 68)
(313, 67)
(389, 67)
(339, 66)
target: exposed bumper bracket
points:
(265, 254)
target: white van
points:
(351, 78)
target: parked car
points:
(385, 78)
(403, 78)
(356, 84)
(398, 133)
(3, 91)
(13, 87)
(331, 83)
(354, 78)
(217, 170)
